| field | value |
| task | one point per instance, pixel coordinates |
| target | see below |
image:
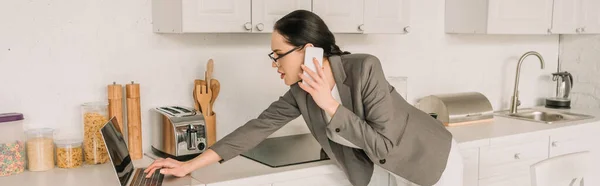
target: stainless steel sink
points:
(544, 116)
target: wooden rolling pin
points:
(115, 104)
(134, 121)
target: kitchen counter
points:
(88, 175)
(480, 134)
(243, 171)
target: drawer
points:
(334, 179)
(512, 159)
(519, 180)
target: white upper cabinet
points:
(216, 15)
(387, 16)
(201, 16)
(566, 16)
(523, 16)
(266, 12)
(590, 17)
(364, 16)
(259, 16)
(576, 17)
(499, 16)
(341, 16)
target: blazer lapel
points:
(340, 80)
(317, 122)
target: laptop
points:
(119, 156)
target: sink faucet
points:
(515, 98)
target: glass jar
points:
(69, 153)
(12, 144)
(40, 149)
(95, 115)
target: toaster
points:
(178, 132)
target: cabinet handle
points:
(248, 26)
(555, 144)
(518, 156)
(583, 29)
(260, 27)
(361, 27)
(407, 29)
(578, 30)
(549, 31)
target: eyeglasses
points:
(282, 55)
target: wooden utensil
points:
(209, 71)
(134, 121)
(115, 104)
(203, 96)
(207, 78)
(196, 104)
(215, 86)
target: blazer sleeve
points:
(368, 133)
(256, 130)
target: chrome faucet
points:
(515, 98)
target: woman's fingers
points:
(306, 88)
(319, 68)
(153, 165)
(175, 172)
(161, 163)
(308, 81)
(312, 74)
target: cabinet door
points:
(471, 166)
(341, 16)
(266, 12)
(334, 179)
(509, 163)
(591, 16)
(386, 16)
(520, 16)
(577, 140)
(566, 16)
(216, 16)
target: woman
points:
(359, 120)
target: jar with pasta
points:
(95, 115)
(69, 153)
(40, 149)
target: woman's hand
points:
(168, 167)
(319, 89)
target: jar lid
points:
(8, 117)
(68, 143)
(39, 132)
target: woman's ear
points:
(307, 45)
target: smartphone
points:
(312, 52)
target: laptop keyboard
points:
(139, 178)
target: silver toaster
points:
(178, 132)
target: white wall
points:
(580, 55)
(56, 55)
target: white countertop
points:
(242, 171)
(480, 134)
(88, 175)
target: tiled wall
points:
(580, 55)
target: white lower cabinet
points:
(334, 179)
(504, 161)
(511, 161)
(471, 166)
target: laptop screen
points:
(117, 150)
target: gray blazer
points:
(373, 116)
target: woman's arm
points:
(378, 104)
(379, 131)
(240, 140)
